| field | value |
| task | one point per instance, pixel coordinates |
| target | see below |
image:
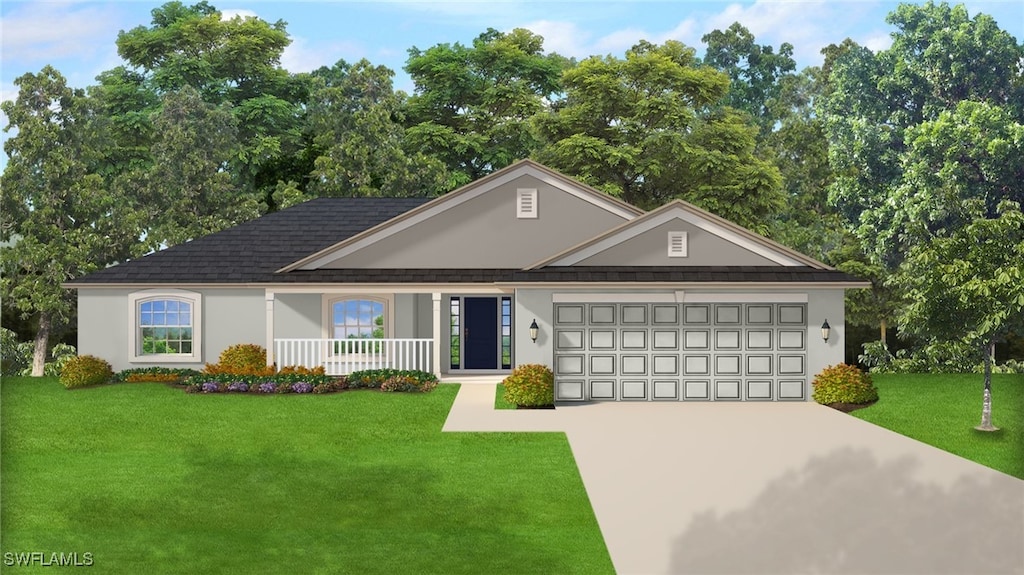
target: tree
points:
(651, 127)
(355, 118)
(189, 190)
(234, 61)
(755, 71)
(472, 104)
(939, 58)
(56, 210)
(969, 286)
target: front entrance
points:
(481, 333)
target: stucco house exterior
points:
(523, 266)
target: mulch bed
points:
(848, 407)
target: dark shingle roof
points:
(254, 250)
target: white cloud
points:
(41, 31)
(565, 38)
(304, 56)
(876, 42)
(230, 13)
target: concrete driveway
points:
(772, 488)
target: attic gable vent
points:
(526, 203)
(677, 245)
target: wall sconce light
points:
(533, 331)
(826, 329)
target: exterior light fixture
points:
(533, 331)
(826, 329)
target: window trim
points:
(135, 299)
(327, 305)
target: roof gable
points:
(708, 240)
(469, 218)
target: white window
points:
(677, 245)
(358, 318)
(526, 203)
(165, 326)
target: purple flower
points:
(267, 387)
(238, 386)
(210, 387)
(302, 387)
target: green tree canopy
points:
(472, 104)
(651, 127)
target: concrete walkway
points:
(772, 488)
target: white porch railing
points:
(343, 356)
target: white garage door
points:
(672, 352)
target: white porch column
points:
(270, 327)
(436, 298)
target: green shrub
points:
(843, 383)
(85, 370)
(375, 378)
(241, 359)
(255, 380)
(408, 383)
(530, 385)
(169, 374)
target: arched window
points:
(165, 326)
(358, 318)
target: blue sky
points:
(78, 37)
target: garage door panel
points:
(634, 339)
(602, 389)
(569, 339)
(666, 364)
(602, 365)
(665, 314)
(569, 365)
(697, 339)
(666, 389)
(727, 339)
(759, 314)
(569, 314)
(727, 365)
(759, 365)
(727, 389)
(697, 389)
(791, 340)
(697, 314)
(759, 389)
(602, 339)
(727, 315)
(569, 389)
(791, 365)
(665, 339)
(634, 314)
(759, 339)
(792, 388)
(634, 365)
(602, 314)
(634, 389)
(697, 365)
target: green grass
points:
(152, 480)
(499, 399)
(942, 410)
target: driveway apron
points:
(772, 488)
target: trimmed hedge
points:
(165, 374)
(393, 379)
(251, 380)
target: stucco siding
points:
(479, 233)
(298, 315)
(650, 248)
(229, 316)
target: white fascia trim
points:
(443, 206)
(674, 297)
(663, 218)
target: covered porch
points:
(456, 331)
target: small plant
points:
(193, 388)
(241, 359)
(164, 374)
(84, 370)
(239, 386)
(283, 388)
(267, 387)
(301, 370)
(211, 387)
(530, 385)
(843, 383)
(302, 387)
(375, 378)
(323, 388)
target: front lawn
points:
(942, 410)
(151, 480)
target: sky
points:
(78, 38)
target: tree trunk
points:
(986, 405)
(42, 341)
(883, 327)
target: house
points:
(523, 266)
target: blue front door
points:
(480, 333)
